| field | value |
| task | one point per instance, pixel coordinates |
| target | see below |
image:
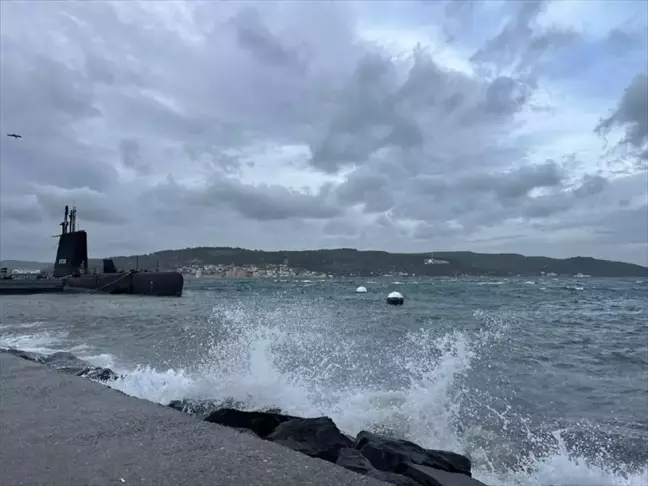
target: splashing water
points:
(417, 389)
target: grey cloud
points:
(53, 87)
(594, 198)
(522, 43)
(130, 153)
(21, 209)
(214, 156)
(486, 200)
(591, 184)
(620, 226)
(512, 183)
(95, 206)
(44, 100)
(631, 114)
(427, 231)
(424, 114)
(562, 201)
(253, 35)
(473, 188)
(506, 95)
(545, 206)
(624, 226)
(519, 182)
(505, 47)
(453, 102)
(340, 227)
(621, 41)
(100, 70)
(459, 8)
(369, 188)
(260, 203)
(60, 161)
(268, 202)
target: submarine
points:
(71, 267)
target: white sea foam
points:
(36, 342)
(249, 364)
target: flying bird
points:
(14, 135)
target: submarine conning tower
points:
(72, 252)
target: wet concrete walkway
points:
(63, 430)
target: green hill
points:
(350, 262)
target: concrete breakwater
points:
(60, 429)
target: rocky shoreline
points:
(392, 461)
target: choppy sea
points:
(540, 381)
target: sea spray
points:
(274, 360)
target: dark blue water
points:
(540, 381)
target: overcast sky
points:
(493, 126)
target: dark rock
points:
(99, 374)
(203, 407)
(316, 437)
(353, 460)
(261, 423)
(36, 357)
(392, 455)
(237, 404)
(428, 476)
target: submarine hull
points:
(29, 286)
(136, 283)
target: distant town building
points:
(435, 261)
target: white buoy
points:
(361, 290)
(395, 298)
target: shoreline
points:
(44, 402)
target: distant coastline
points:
(228, 262)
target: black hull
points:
(30, 287)
(161, 284)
